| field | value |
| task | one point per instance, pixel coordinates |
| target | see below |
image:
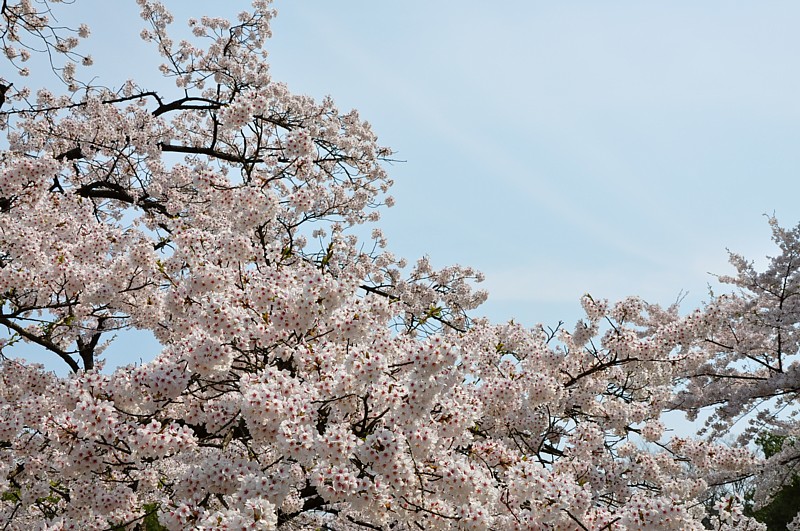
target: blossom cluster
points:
(306, 377)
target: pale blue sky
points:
(564, 147)
(615, 147)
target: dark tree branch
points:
(238, 159)
(42, 341)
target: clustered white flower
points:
(307, 378)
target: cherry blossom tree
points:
(308, 377)
(745, 366)
(782, 508)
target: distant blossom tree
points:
(779, 509)
(308, 378)
(747, 364)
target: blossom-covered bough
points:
(308, 378)
(747, 368)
